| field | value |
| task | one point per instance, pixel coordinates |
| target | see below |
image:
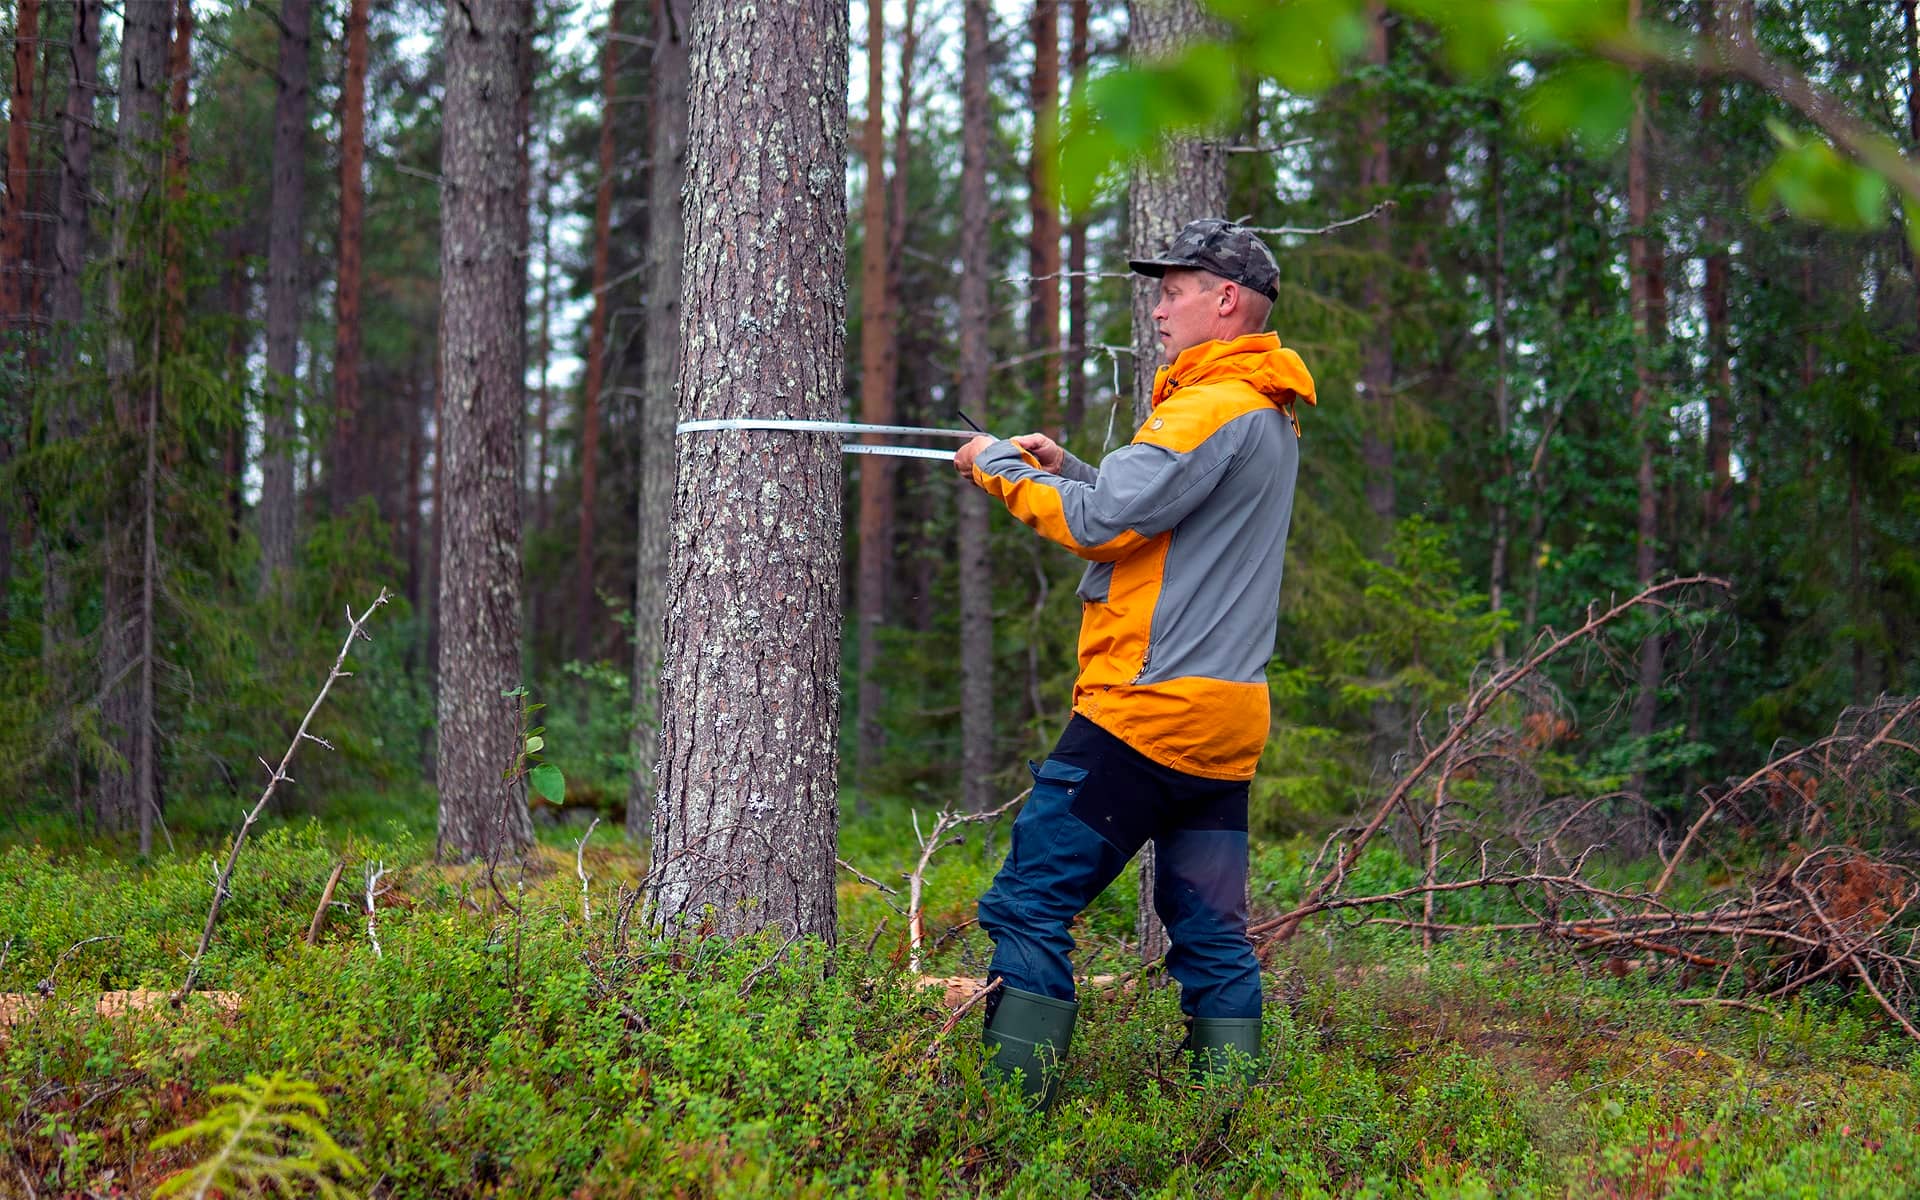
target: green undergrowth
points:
(477, 1054)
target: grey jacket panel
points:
(1096, 583)
(1076, 470)
(1220, 591)
(1140, 487)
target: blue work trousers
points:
(1095, 802)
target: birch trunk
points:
(666, 244)
(1190, 183)
(483, 276)
(745, 833)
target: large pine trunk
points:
(125, 799)
(1190, 182)
(285, 207)
(975, 566)
(344, 480)
(1043, 239)
(14, 277)
(477, 498)
(878, 359)
(583, 599)
(666, 243)
(745, 824)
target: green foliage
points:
(267, 1136)
(480, 1055)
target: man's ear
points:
(1229, 297)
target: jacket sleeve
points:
(1077, 470)
(1139, 491)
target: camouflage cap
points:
(1221, 247)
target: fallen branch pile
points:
(1803, 868)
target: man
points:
(1186, 530)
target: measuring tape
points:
(844, 427)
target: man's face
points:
(1188, 312)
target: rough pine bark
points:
(125, 799)
(14, 285)
(344, 477)
(583, 599)
(64, 304)
(975, 566)
(286, 204)
(1043, 239)
(1073, 362)
(879, 351)
(1643, 270)
(1376, 357)
(744, 827)
(477, 498)
(1191, 182)
(666, 244)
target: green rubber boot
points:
(1029, 1033)
(1214, 1041)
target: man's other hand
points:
(1044, 449)
(964, 456)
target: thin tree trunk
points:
(1191, 182)
(1073, 362)
(126, 798)
(1502, 401)
(284, 225)
(65, 304)
(345, 484)
(483, 276)
(666, 245)
(745, 834)
(179, 73)
(584, 604)
(1376, 357)
(543, 410)
(975, 566)
(1043, 239)
(1643, 268)
(876, 407)
(14, 277)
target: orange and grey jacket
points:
(1186, 530)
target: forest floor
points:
(484, 1052)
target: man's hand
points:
(964, 456)
(1044, 449)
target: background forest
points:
(1572, 340)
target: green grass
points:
(477, 1055)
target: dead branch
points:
(375, 872)
(1283, 928)
(580, 869)
(929, 845)
(326, 898)
(275, 777)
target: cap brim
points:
(1155, 267)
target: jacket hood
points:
(1255, 358)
